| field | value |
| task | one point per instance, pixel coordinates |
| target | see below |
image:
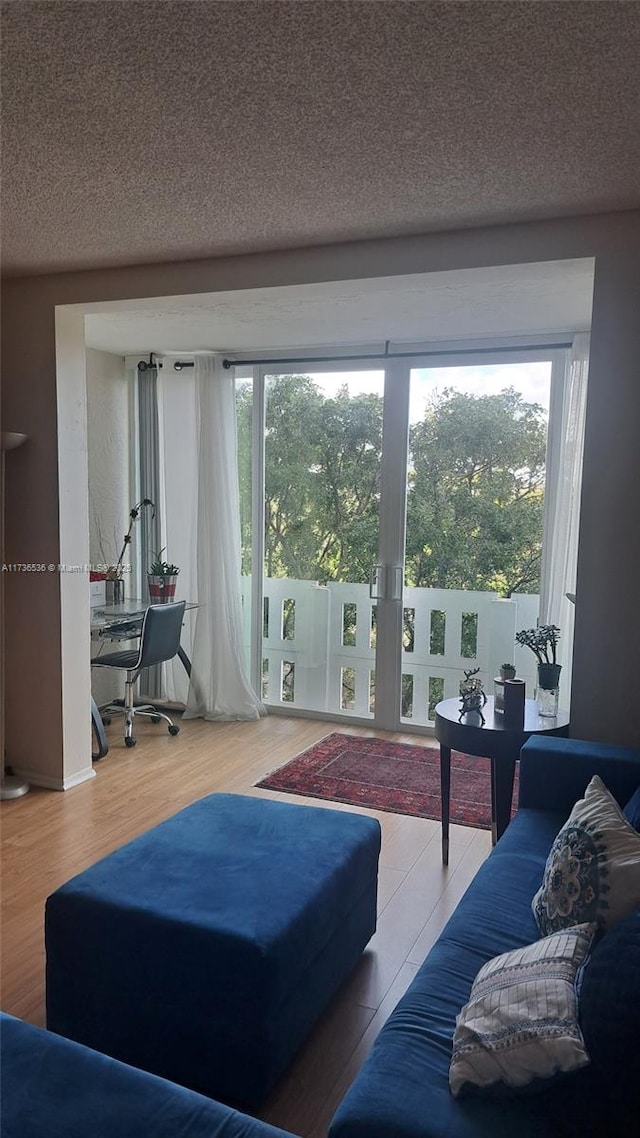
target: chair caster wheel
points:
(173, 730)
(155, 719)
(129, 741)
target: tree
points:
(476, 493)
(322, 464)
(475, 490)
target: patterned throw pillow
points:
(593, 869)
(521, 1022)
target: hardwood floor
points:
(47, 837)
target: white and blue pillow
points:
(593, 869)
(520, 1025)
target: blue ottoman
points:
(205, 950)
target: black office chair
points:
(159, 641)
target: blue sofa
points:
(402, 1090)
(55, 1088)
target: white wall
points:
(108, 447)
(108, 439)
(72, 577)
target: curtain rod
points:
(387, 355)
(179, 365)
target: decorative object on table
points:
(472, 697)
(514, 696)
(162, 578)
(507, 672)
(114, 587)
(543, 642)
(593, 868)
(97, 589)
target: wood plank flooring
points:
(47, 837)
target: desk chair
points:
(159, 641)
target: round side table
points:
(493, 741)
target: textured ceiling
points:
(147, 130)
(509, 300)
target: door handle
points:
(377, 582)
(385, 582)
(397, 572)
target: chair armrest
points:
(554, 773)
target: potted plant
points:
(543, 642)
(162, 579)
(507, 672)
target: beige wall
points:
(34, 646)
(33, 664)
(607, 631)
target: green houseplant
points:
(543, 642)
(162, 579)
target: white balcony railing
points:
(319, 644)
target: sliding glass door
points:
(475, 499)
(397, 519)
(322, 485)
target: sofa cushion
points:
(520, 1025)
(593, 869)
(610, 999)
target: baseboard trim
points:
(47, 782)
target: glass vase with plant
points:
(543, 642)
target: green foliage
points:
(475, 488)
(543, 641)
(476, 493)
(321, 481)
(160, 568)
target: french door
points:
(328, 488)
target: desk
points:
(121, 622)
(494, 741)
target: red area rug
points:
(398, 777)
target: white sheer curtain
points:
(219, 686)
(563, 506)
(177, 503)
